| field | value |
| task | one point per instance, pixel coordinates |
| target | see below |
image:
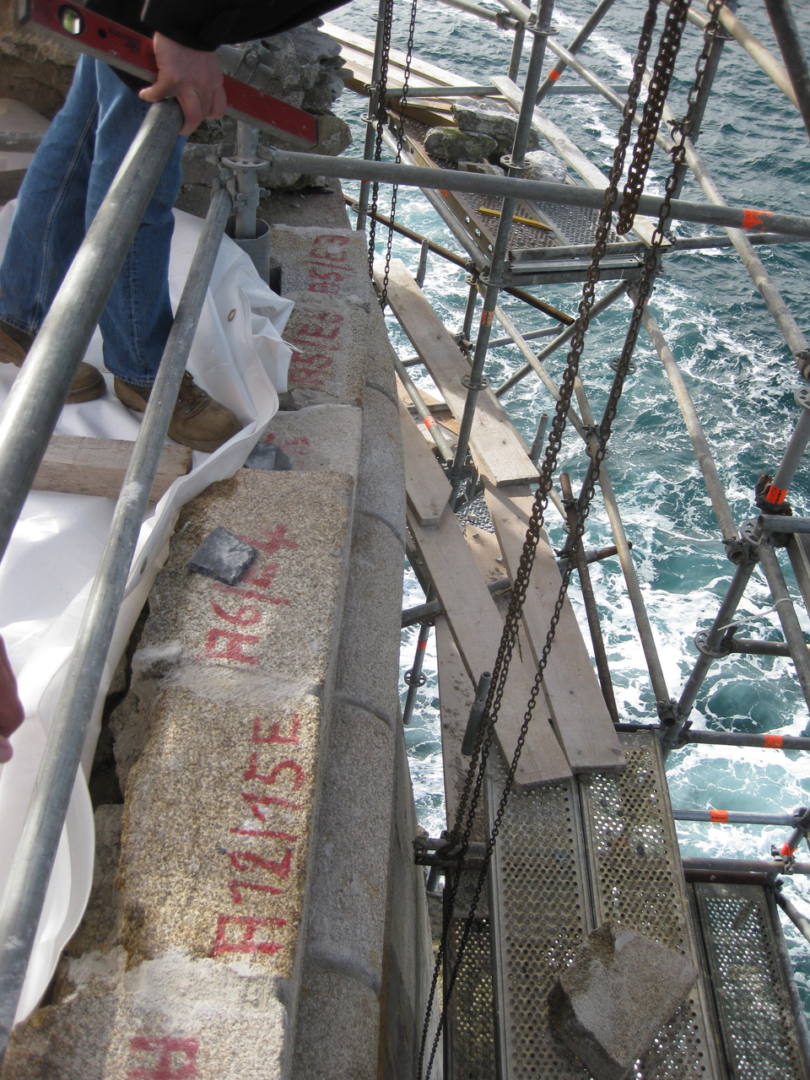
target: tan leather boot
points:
(88, 382)
(198, 421)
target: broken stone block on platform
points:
(621, 989)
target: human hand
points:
(190, 75)
(11, 710)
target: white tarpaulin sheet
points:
(238, 356)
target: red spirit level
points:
(132, 52)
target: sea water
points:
(742, 379)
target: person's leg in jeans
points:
(69, 178)
(48, 226)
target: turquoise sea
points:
(740, 375)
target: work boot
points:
(88, 382)
(198, 421)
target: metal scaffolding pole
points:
(582, 36)
(789, 41)
(30, 871)
(375, 104)
(535, 364)
(787, 614)
(713, 644)
(42, 385)
(513, 187)
(475, 383)
(722, 510)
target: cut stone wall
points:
(258, 911)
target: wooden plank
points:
(497, 449)
(427, 490)
(643, 227)
(86, 466)
(438, 410)
(477, 628)
(583, 722)
(421, 70)
(456, 696)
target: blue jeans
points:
(62, 190)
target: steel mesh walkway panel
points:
(540, 919)
(638, 882)
(751, 997)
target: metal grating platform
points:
(469, 1042)
(570, 856)
(742, 941)
(638, 882)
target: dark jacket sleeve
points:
(205, 24)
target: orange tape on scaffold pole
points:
(718, 815)
(553, 75)
(755, 219)
(774, 495)
(787, 850)
(774, 742)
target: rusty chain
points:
(472, 790)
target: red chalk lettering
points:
(275, 736)
(231, 647)
(247, 943)
(252, 773)
(245, 616)
(267, 834)
(276, 540)
(255, 801)
(264, 579)
(173, 1059)
(329, 248)
(330, 288)
(325, 275)
(324, 325)
(236, 888)
(248, 860)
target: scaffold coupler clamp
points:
(673, 725)
(786, 854)
(444, 852)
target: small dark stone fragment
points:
(222, 556)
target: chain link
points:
(380, 91)
(651, 117)
(598, 448)
(471, 792)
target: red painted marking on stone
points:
(247, 943)
(275, 735)
(267, 834)
(252, 772)
(276, 540)
(328, 247)
(249, 860)
(245, 616)
(173, 1058)
(236, 888)
(322, 325)
(250, 594)
(254, 801)
(232, 644)
(328, 288)
(324, 272)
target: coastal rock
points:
(450, 145)
(621, 989)
(545, 166)
(482, 118)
